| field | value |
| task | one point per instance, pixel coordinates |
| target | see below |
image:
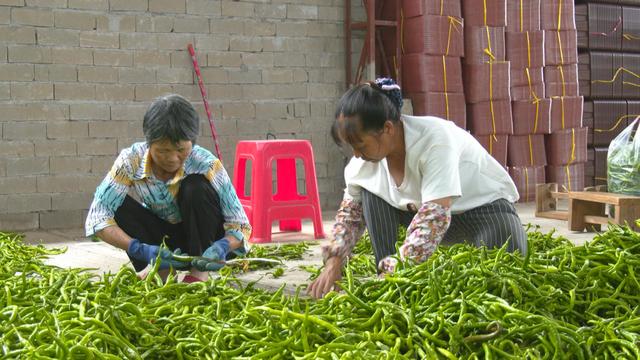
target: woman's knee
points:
(194, 186)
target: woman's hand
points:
(326, 281)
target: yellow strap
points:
(526, 183)
(491, 137)
(573, 145)
(441, 7)
(453, 24)
(530, 150)
(618, 122)
(630, 37)
(566, 168)
(617, 73)
(535, 123)
(401, 31)
(559, 14)
(484, 11)
(446, 94)
(564, 92)
(521, 16)
(488, 50)
(562, 111)
(560, 47)
(528, 50)
(493, 115)
(536, 99)
(573, 157)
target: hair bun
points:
(392, 90)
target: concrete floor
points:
(84, 253)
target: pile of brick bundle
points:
(566, 145)
(432, 46)
(487, 75)
(530, 108)
(609, 70)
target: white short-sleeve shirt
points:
(442, 160)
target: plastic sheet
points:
(449, 106)
(566, 112)
(428, 73)
(606, 119)
(523, 15)
(531, 117)
(561, 47)
(485, 12)
(568, 177)
(413, 8)
(522, 77)
(554, 89)
(600, 26)
(490, 117)
(567, 146)
(561, 73)
(496, 145)
(484, 43)
(557, 15)
(528, 92)
(526, 178)
(434, 35)
(525, 49)
(527, 150)
(488, 81)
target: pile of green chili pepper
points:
(559, 301)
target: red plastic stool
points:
(286, 205)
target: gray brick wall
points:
(77, 75)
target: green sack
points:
(623, 161)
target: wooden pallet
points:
(587, 208)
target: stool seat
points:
(287, 205)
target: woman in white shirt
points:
(423, 172)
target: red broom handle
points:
(203, 91)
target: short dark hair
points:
(171, 117)
(365, 107)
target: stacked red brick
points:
(433, 44)
(609, 40)
(566, 145)
(486, 75)
(530, 108)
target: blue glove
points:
(148, 253)
(213, 258)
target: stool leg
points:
(577, 211)
(239, 178)
(287, 189)
(312, 192)
(260, 176)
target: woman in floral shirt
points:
(422, 172)
(168, 188)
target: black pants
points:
(491, 225)
(202, 220)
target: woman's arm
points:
(424, 233)
(347, 230)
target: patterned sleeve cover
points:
(347, 230)
(423, 236)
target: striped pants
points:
(491, 225)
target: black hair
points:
(171, 117)
(366, 107)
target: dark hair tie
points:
(391, 89)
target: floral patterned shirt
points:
(423, 235)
